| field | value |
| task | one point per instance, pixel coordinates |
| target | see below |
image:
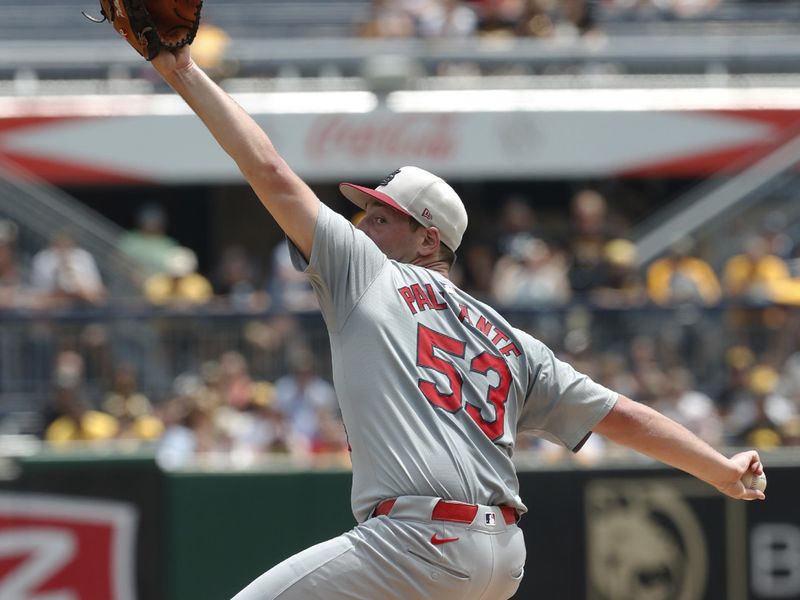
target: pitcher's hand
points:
(169, 62)
(744, 461)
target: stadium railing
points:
(163, 344)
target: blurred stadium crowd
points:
(230, 363)
(459, 18)
(235, 35)
(716, 347)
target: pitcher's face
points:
(393, 232)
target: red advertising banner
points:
(66, 548)
(470, 135)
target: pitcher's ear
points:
(431, 241)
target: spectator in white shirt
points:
(66, 274)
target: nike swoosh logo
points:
(436, 540)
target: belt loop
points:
(384, 507)
(510, 514)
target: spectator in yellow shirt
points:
(753, 274)
(681, 278)
(180, 284)
(131, 408)
(77, 422)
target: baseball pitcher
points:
(434, 385)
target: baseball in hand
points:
(754, 482)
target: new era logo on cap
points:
(420, 194)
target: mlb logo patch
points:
(491, 519)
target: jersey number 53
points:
(481, 364)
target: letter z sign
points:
(54, 547)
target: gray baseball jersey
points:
(433, 387)
(433, 384)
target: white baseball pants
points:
(405, 555)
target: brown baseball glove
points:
(150, 25)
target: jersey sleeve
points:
(344, 262)
(563, 405)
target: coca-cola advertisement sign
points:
(66, 548)
(383, 136)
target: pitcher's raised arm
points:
(288, 199)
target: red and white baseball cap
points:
(421, 195)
